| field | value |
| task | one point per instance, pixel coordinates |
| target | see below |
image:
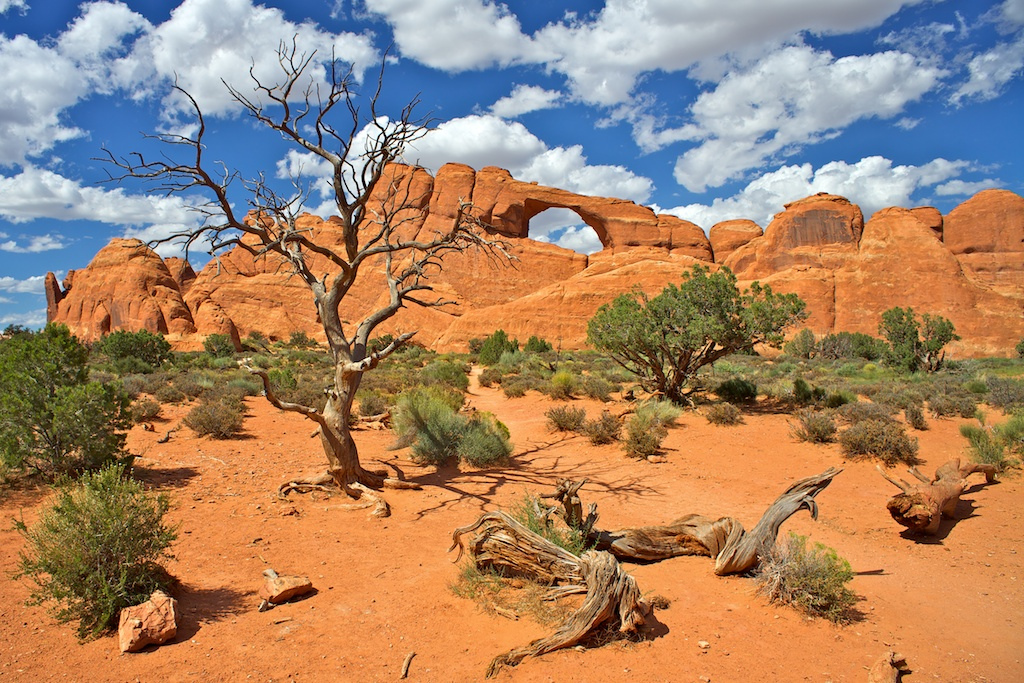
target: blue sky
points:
(707, 109)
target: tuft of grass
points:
(96, 550)
(219, 419)
(914, 415)
(566, 418)
(812, 579)
(648, 427)
(535, 515)
(814, 426)
(603, 430)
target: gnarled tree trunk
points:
(921, 507)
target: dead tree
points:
(921, 507)
(379, 223)
(733, 549)
(612, 597)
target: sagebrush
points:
(812, 579)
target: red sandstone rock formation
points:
(968, 267)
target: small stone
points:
(703, 644)
(280, 588)
(154, 622)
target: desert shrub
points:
(537, 345)
(142, 350)
(485, 441)
(812, 579)
(169, 394)
(53, 420)
(850, 345)
(566, 418)
(489, 376)
(562, 385)
(976, 386)
(915, 417)
(445, 372)
(814, 426)
(494, 346)
(219, 345)
(835, 399)
(428, 420)
(723, 414)
(145, 410)
(648, 427)
(95, 551)
(530, 511)
(244, 386)
(1005, 393)
(1020, 349)
(515, 388)
(475, 344)
(218, 419)
(133, 385)
(192, 384)
(604, 429)
(953, 405)
(985, 446)
(862, 411)
(883, 439)
(802, 345)
(737, 390)
(372, 403)
(804, 393)
(300, 340)
(597, 388)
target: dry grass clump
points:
(648, 427)
(219, 419)
(812, 579)
(814, 426)
(883, 439)
(723, 414)
(566, 418)
(603, 430)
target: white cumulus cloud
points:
(36, 244)
(873, 183)
(792, 97)
(30, 285)
(525, 99)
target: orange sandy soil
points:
(951, 604)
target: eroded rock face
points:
(968, 266)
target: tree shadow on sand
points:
(199, 606)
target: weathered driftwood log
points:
(725, 540)
(921, 507)
(612, 596)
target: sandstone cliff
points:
(967, 266)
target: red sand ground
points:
(951, 605)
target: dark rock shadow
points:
(198, 606)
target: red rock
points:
(154, 622)
(278, 588)
(968, 267)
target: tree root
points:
(363, 492)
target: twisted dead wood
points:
(921, 507)
(725, 540)
(612, 596)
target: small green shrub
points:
(835, 399)
(219, 345)
(144, 410)
(914, 415)
(802, 345)
(372, 403)
(811, 579)
(883, 439)
(723, 414)
(953, 405)
(814, 426)
(133, 385)
(1020, 349)
(537, 345)
(976, 386)
(143, 350)
(985, 448)
(737, 390)
(1005, 393)
(95, 551)
(597, 388)
(851, 345)
(429, 421)
(804, 393)
(484, 442)
(446, 373)
(515, 389)
(661, 411)
(489, 376)
(862, 411)
(218, 419)
(566, 418)
(494, 346)
(562, 385)
(169, 394)
(300, 340)
(531, 512)
(603, 430)
(645, 433)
